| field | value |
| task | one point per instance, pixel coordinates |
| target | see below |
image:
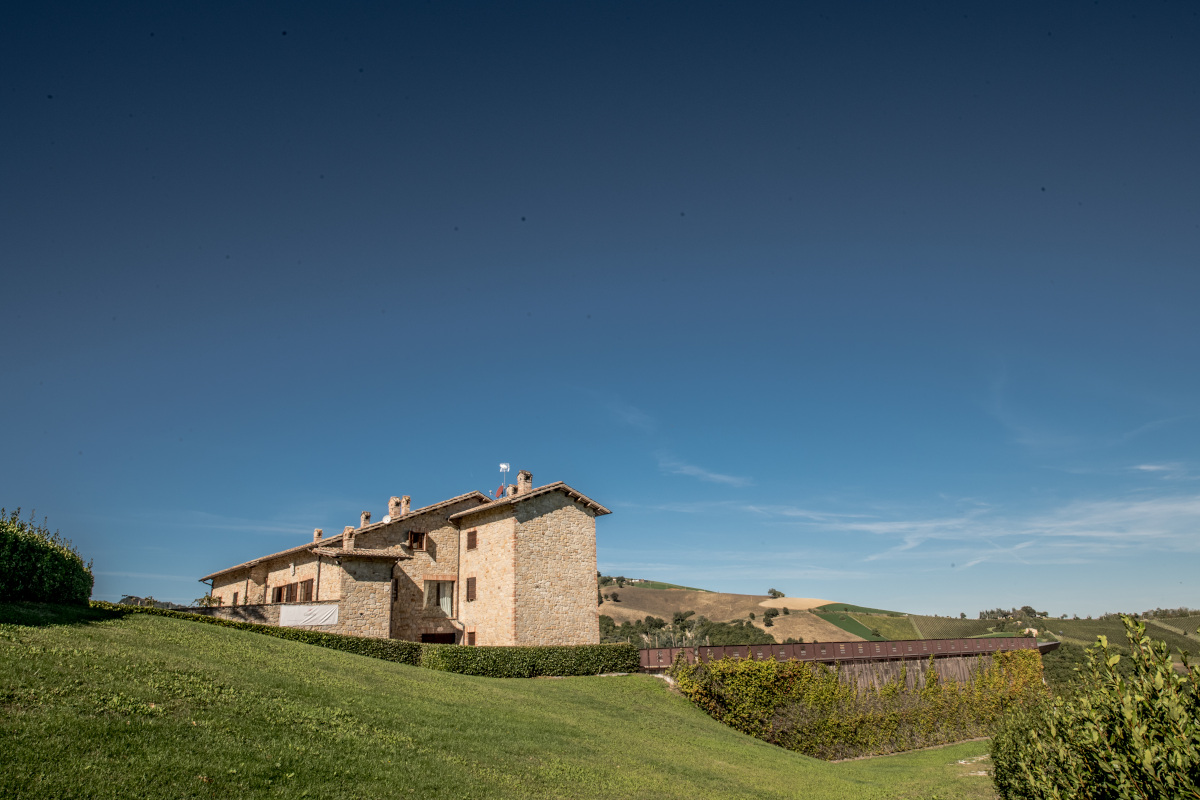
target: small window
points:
(277, 594)
(235, 594)
(471, 637)
(416, 540)
(471, 541)
(470, 589)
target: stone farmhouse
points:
(515, 570)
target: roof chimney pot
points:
(524, 481)
(317, 534)
(404, 504)
(364, 519)
(348, 537)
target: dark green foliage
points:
(812, 709)
(496, 662)
(39, 566)
(1118, 737)
(386, 649)
(775, 593)
(684, 630)
(530, 662)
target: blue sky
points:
(892, 304)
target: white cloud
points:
(674, 466)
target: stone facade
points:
(529, 555)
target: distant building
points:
(518, 570)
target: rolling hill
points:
(103, 706)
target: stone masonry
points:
(529, 556)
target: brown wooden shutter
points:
(471, 541)
(306, 590)
(470, 589)
(471, 634)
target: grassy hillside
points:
(637, 603)
(1085, 631)
(893, 628)
(850, 625)
(142, 706)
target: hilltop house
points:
(517, 570)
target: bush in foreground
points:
(1117, 736)
(810, 709)
(38, 566)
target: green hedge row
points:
(811, 709)
(493, 662)
(386, 649)
(531, 662)
(39, 566)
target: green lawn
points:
(850, 607)
(102, 706)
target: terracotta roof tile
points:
(559, 486)
(337, 537)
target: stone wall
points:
(556, 572)
(491, 615)
(365, 608)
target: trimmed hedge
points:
(385, 649)
(493, 662)
(807, 707)
(531, 662)
(39, 566)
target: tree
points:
(614, 597)
(774, 593)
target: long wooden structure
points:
(654, 659)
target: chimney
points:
(510, 491)
(348, 537)
(404, 502)
(364, 519)
(317, 534)
(394, 506)
(524, 481)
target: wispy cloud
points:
(1168, 471)
(1076, 532)
(673, 466)
(148, 575)
(630, 415)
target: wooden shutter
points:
(471, 541)
(306, 588)
(471, 635)
(470, 589)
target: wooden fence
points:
(654, 659)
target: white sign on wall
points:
(291, 616)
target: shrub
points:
(811, 709)
(39, 566)
(1118, 736)
(530, 662)
(495, 662)
(386, 649)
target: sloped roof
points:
(337, 537)
(559, 486)
(337, 552)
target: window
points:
(471, 637)
(235, 594)
(301, 592)
(440, 595)
(470, 589)
(471, 540)
(416, 540)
